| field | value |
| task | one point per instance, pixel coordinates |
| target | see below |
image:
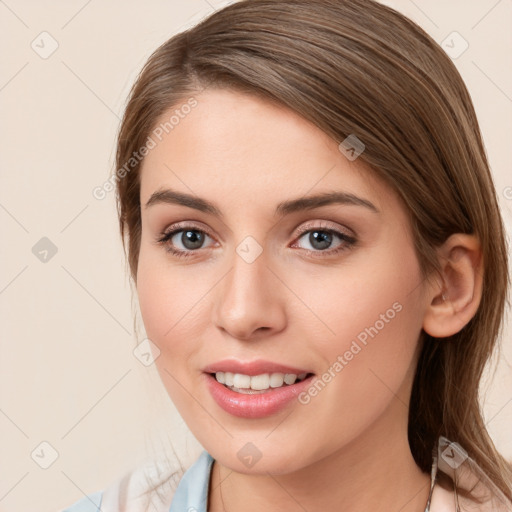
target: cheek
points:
(371, 307)
(169, 302)
(154, 292)
(374, 317)
(370, 298)
(170, 311)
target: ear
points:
(455, 297)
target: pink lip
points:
(251, 367)
(258, 405)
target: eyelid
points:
(187, 224)
(324, 224)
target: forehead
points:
(242, 149)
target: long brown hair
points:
(358, 67)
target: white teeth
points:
(276, 380)
(260, 382)
(290, 378)
(241, 381)
(247, 391)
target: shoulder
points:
(149, 486)
(471, 490)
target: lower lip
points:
(258, 405)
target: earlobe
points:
(455, 297)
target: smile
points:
(255, 384)
(251, 392)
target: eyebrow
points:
(168, 196)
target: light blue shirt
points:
(192, 492)
(190, 496)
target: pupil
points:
(323, 238)
(192, 239)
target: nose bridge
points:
(249, 296)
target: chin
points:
(258, 458)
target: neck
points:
(376, 471)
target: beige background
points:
(68, 375)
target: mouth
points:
(257, 384)
(255, 389)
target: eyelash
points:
(349, 241)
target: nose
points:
(249, 300)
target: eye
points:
(183, 240)
(322, 237)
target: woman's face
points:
(271, 282)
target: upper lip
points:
(251, 368)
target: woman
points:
(320, 262)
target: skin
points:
(349, 443)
